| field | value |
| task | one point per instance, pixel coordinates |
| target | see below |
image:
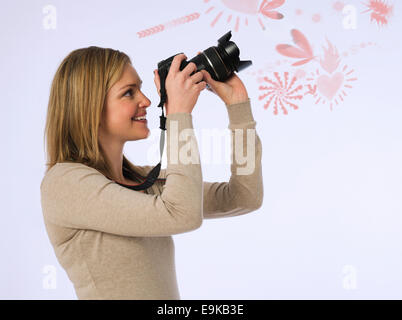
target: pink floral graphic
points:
(327, 84)
(267, 6)
(316, 18)
(380, 11)
(331, 58)
(251, 7)
(163, 26)
(303, 52)
(248, 7)
(338, 6)
(330, 85)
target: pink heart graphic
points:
(329, 86)
(244, 6)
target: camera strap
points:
(154, 173)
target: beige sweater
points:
(116, 243)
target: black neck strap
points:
(154, 173)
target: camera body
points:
(220, 61)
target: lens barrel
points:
(220, 61)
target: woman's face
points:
(124, 101)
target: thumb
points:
(213, 85)
(208, 78)
(210, 82)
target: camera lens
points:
(220, 61)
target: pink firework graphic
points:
(380, 11)
(280, 93)
(247, 8)
(330, 86)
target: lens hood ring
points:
(227, 71)
(212, 66)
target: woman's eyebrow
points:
(131, 85)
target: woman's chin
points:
(141, 130)
(141, 135)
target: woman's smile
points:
(145, 121)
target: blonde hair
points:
(77, 99)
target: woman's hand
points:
(231, 91)
(182, 89)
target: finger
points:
(208, 78)
(209, 88)
(189, 69)
(201, 85)
(206, 75)
(175, 65)
(197, 77)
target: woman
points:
(114, 242)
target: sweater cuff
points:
(240, 112)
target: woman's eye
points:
(129, 91)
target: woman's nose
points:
(146, 103)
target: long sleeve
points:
(77, 196)
(244, 192)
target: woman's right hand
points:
(182, 89)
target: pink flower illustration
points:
(246, 7)
(267, 7)
(331, 58)
(302, 51)
(327, 84)
(331, 86)
(338, 6)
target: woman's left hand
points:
(231, 91)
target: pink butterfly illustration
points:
(303, 51)
(267, 7)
